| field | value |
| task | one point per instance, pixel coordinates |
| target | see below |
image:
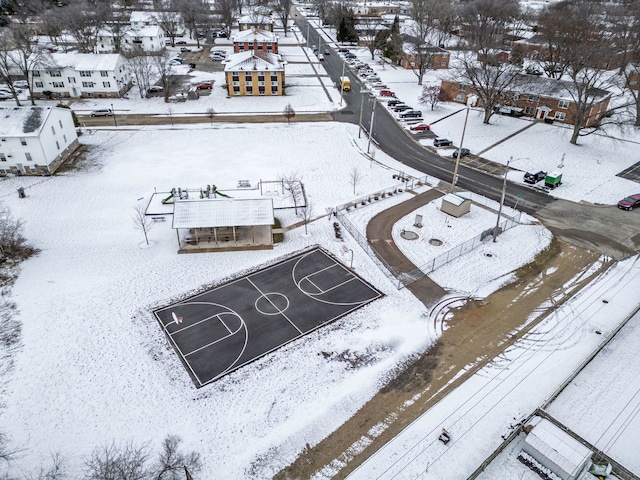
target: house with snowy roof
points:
(256, 40)
(35, 140)
(248, 22)
(542, 98)
(254, 73)
(148, 38)
(81, 75)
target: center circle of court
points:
(272, 303)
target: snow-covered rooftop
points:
(230, 212)
(22, 121)
(254, 61)
(255, 34)
(85, 61)
(558, 446)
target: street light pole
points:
(373, 112)
(308, 26)
(362, 92)
(114, 116)
(471, 100)
(341, 85)
(504, 191)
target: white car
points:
(5, 95)
(178, 97)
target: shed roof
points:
(556, 445)
(454, 199)
(253, 60)
(207, 213)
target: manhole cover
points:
(435, 242)
(409, 235)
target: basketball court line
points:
(312, 317)
(274, 306)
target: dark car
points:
(411, 114)
(401, 108)
(393, 103)
(463, 152)
(327, 51)
(181, 42)
(630, 202)
(204, 86)
(442, 142)
(534, 178)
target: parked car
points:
(192, 65)
(442, 142)
(20, 84)
(463, 152)
(185, 49)
(5, 95)
(394, 102)
(420, 127)
(217, 57)
(387, 93)
(411, 114)
(181, 42)
(401, 108)
(155, 88)
(343, 50)
(630, 202)
(175, 61)
(204, 86)
(372, 78)
(321, 57)
(534, 178)
(178, 97)
(349, 55)
(102, 112)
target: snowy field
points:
(95, 365)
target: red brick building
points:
(255, 40)
(439, 58)
(538, 97)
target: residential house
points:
(147, 39)
(376, 9)
(539, 97)
(262, 22)
(254, 73)
(438, 57)
(255, 40)
(35, 140)
(633, 76)
(81, 75)
(537, 48)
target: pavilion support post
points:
(215, 234)
(195, 232)
(234, 234)
(178, 235)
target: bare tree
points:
(292, 188)
(307, 214)
(194, 13)
(22, 52)
(373, 35)
(142, 222)
(226, 11)
(57, 470)
(172, 463)
(283, 9)
(170, 23)
(289, 113)
(142, 67)
(12, 241)
(430, 95)
(354, 178)
(163, 67)
(84, 21)
(211, 113)
(118, 462)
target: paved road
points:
(604, 229)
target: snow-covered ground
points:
(94, 365)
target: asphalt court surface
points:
(229, 326)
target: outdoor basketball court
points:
(227, 327)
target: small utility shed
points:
(455, 205)
(557, 450)
(207, 225)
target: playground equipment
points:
(212, 190)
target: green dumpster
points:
(553, 179)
